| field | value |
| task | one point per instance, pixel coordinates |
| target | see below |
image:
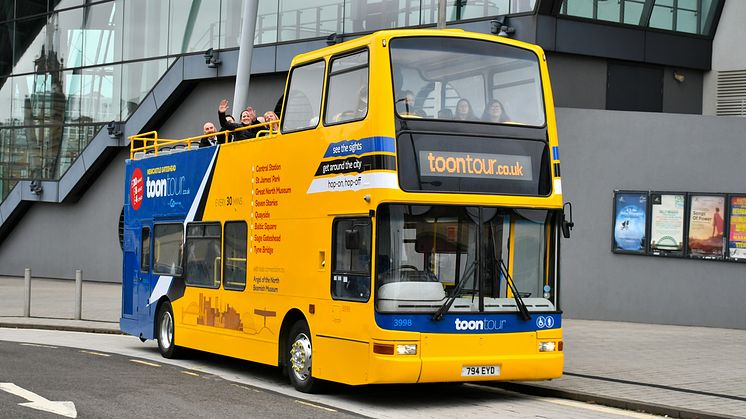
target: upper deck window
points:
(303, 102)
(347, 98)
(466, 80)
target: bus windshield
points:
(466, 80)
(427, 254)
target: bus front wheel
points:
(299, 358)
(165, 333)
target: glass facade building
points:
(68, 67)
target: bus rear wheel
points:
(165, 333)
(300, 354)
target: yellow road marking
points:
(316, 406)
(150, 364)
(94, 353)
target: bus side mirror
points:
(352, 239)
(567, 223)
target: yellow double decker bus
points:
(401, 225)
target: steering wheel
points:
(411, 267)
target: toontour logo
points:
(483, 324)
(158, 187)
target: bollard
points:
(27, 289)
(78, 293)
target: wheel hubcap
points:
(166, 330)
(300, 357)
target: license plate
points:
(481, 371)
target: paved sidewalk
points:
(690, 372)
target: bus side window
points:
(303, 103)
(234, 255)
(347, 97)
(351, 240)
(145, 250)
(203, 259)
(167, 240)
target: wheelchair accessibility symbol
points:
(545, 322)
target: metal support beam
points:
(441, 14)
(246, 48)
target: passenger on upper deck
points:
(495, 112)
(405, 105)
(270, 116)
(464, 111)
(248, 117)
(208, 128)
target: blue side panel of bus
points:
(165, 188)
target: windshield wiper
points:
(518, 300)
(449, 301)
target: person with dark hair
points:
(248, 117)
(464, 111)
(495, 112)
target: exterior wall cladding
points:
(601, 151)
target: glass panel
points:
(145, 246)
(39, 99)
(102, 37)
(662, 16)
(6, 46)
(371, 15)
(64, 4)
(429, 72)
(167, 246)
(72, 89)
(6, 10)
(686, 21)
(6, 97)
(304, 97)
(342, 106)
(609, 10)
(234, 264)
(30, 7)
(633, 11)
(137, 80)
(145, 29)
(99, 98)
(231, 18)
(203, 255)
(74, 139)
(194, 26)
(28, 48)
(310, 18)
(579, 8)
(428, 253)
(352, 250)
(65, 39)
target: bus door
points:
(141, 275)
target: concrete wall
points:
(727, 50)
(56, 239)
(581, 82)
(606, 150)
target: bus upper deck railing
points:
(148, 144)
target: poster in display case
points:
(706, 237)
(630, 222)
(667, 222)
(737, 228)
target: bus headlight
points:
(547, 346)
(408, 349)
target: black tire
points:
(165, 332)
(299, 359)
